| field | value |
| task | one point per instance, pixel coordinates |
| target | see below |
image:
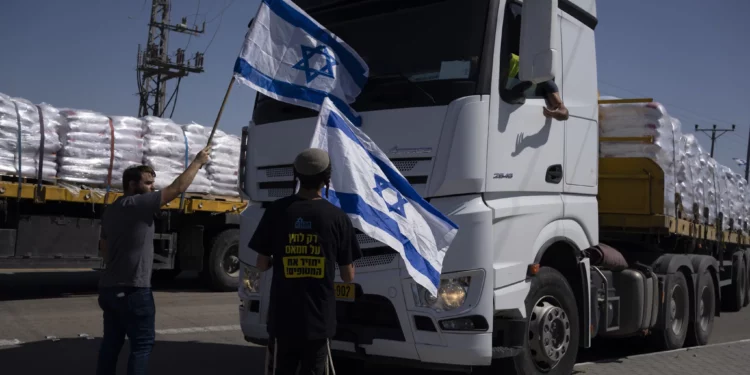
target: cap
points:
(311, 161)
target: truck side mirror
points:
(540, 30)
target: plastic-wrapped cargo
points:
(97, 149)
(729, 196)
(740, 206)
(641, 120)
(225, 163)
(19, 121)
(690, 176)
(197, 139)
(166, 150)
(710, 185)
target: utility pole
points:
(747, 158)
(713, 135)
(155, 65)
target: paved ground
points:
(50, 321)
(717, 359)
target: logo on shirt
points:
(302, 224)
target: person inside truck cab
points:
(303, 237)
(555, 108)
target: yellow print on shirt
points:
(302, 257)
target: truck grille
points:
(369, 317)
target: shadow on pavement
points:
(78, 356)
(608, 350)
(33, 285)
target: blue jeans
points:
(131, 312)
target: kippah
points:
(311, 162)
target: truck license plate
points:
(344, 292)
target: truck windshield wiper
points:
(407, 79)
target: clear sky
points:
(691, 55)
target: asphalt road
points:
(50, 323)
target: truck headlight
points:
(250, 277)
(450, 295)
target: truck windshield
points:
(420, 53)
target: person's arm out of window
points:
(551, 93)
(348, 250)
(183, 181)
(261, 242)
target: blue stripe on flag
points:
(355, 205)
(299, 20)
(398, 181)
(290, 90)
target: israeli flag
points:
(290, 57)
(379, 200)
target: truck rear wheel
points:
(223, 262)
(733, 295)
(551, 343)
(676, 313)
(705, 310)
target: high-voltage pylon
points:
(156, 65)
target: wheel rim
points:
(705, 310)
(549, 333)
(677, 310)
(231, 262)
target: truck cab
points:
(475, 143)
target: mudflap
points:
(190, 248)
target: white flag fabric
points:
(290, 57)
(379, 200)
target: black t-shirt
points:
(305, 238)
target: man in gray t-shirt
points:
(128, 247)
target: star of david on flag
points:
(290, 57)
(379, 200)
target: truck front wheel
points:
(223, 262)
(551, 343)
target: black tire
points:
(676, 311)
(733, 295)
(705, 310)
(551, 297)
(224, 246)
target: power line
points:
(713, 135)
(221, 19)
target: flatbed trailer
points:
(55, 225)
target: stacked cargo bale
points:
(168, 151)
(197, 139)
(647, 120)
(26, 150)
(225, 163)
(690, 177)
(97, 149)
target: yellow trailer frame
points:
(41, 194)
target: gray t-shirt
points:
(128, 229)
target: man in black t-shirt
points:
(303, 237)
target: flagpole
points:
(221, 110)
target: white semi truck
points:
(526, 283)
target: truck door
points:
(525, 149)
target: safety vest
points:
(514, 64)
